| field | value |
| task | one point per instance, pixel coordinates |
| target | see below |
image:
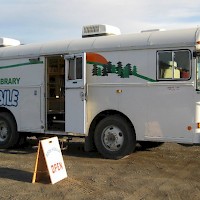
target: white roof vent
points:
(4, 42)
(99, 30)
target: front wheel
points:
(114, 137)
(8, 131)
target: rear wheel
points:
(8, 131)
(114, 137)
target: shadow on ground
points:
(16, 174)
(69, 148)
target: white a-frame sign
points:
(49, 162)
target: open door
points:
(75, 93)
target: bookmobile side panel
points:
(171, 107)
(122, 87)
(159, 110)
(22, 92)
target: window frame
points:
(197, 72)
(173, 51)
(75, 71)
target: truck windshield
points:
(198, 73)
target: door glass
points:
(79, 68)
(75, 69)
(71, 73)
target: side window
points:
(173, 65)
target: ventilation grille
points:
(91, 29)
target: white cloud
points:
(36, 20)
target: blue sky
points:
(42, 21)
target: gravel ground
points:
(170, 171)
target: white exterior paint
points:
(75, 101)
(158, 110)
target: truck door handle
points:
(82, 94)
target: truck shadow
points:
(76, 149)
(29, 147)
(70, 148)
(16, 174)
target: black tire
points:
(8, 131)
(148, 144)
(114, 137)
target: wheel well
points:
(2, 109)
(102, 115)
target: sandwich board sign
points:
(49, 164)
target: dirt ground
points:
(171, 171)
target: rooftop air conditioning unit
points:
(4, 42)
(99, 30)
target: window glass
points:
(71, 73)
(79, 68)
(198, 73)
(174, 65)
(182, 58)
(164, 60)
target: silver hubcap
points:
(112, 138)
(3, 131)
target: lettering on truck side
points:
(9, 97)
(9, 81)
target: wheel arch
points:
(3, 109)
(9, 136)
(98, 118)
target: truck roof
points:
(143, 40)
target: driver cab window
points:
(174, 65)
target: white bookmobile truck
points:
(114, 90)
